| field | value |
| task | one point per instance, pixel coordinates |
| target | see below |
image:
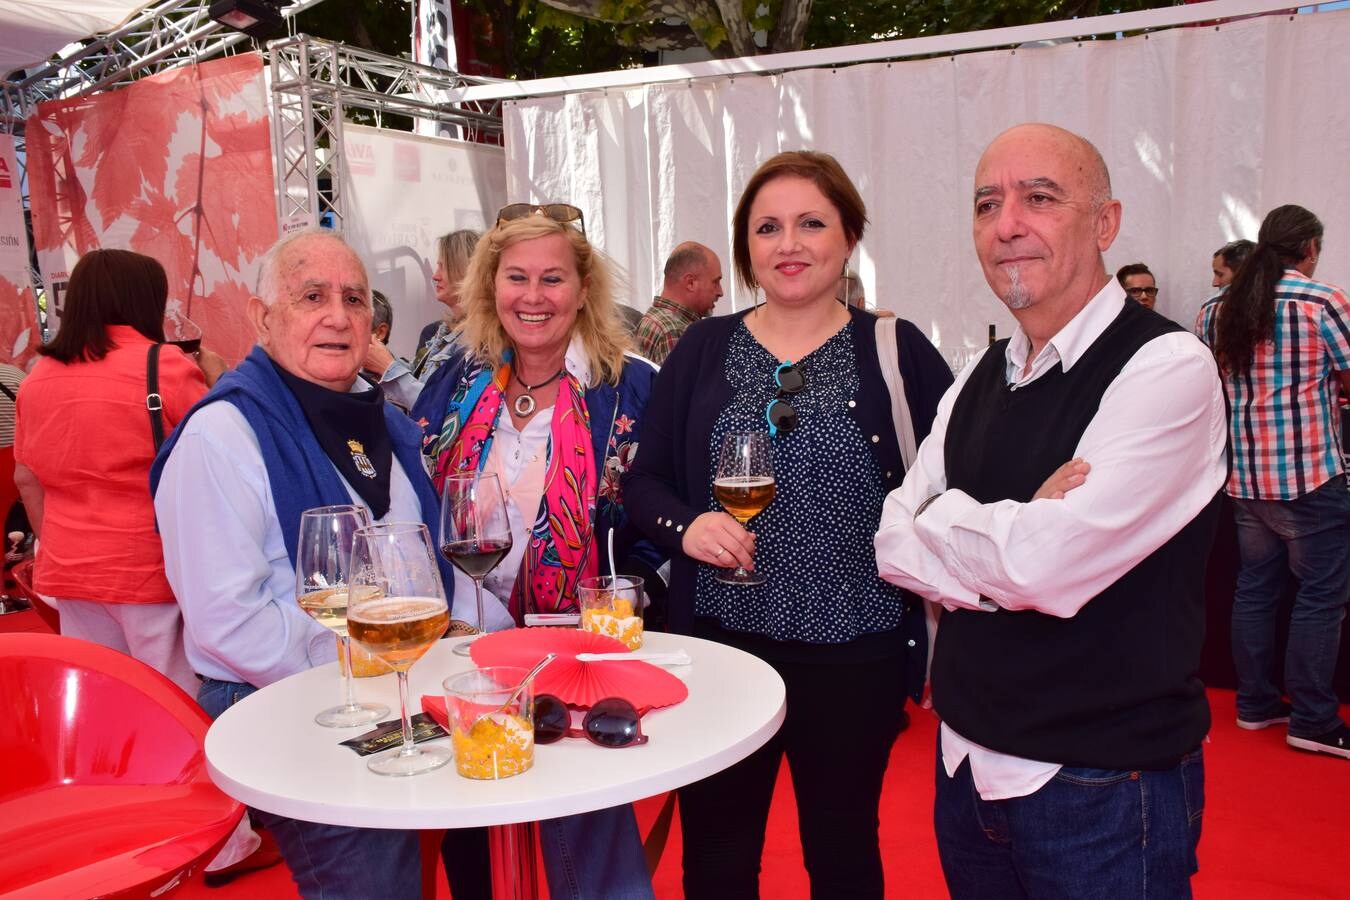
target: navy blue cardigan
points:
(668, 485)
(299, 472)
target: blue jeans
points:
(1086, 833)
(595, 854)
(332, 862)
(1309, 536)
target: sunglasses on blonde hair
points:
(564, 213)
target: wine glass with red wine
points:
(475, 531)
(182, 332)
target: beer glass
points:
(744, 485)
(475, 531)
(322, 557)
(396, 610)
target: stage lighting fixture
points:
(256, 18)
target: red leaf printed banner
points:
(177, 166)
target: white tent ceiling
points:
(32, 30)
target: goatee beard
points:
(1018, 295)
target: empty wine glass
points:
(396, 610)
(475, 531)
(322, 560)
(744, 485)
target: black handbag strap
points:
(4, 389)
(153, 401)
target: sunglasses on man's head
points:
(564, 213)
(779, 413)
(612, 722)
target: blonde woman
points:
(539, 389)
(453, 252)
(402, 384)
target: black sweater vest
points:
(1115, 686)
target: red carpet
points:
(1274, 826)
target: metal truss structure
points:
(163, 35)
(315, 84)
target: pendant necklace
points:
(524, 404)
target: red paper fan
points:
(579, 683)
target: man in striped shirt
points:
(1282, 342)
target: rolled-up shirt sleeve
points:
(225, 560)
(1156, 448)
(400, 385)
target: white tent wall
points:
(1204, 130)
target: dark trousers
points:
(1309, 536)
(468, 866)
(1087, 833)
(842, 721)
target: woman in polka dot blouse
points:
(849, 646)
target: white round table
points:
(267, 751)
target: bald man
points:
(1069, 559)
(693, 282)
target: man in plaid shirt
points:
(693, 282)
(1282, 342)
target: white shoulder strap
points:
(889, 355)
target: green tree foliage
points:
(839, 23)
(544, 38)
(528, 39)
(384, 26)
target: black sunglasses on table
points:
(612, 722)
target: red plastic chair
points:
(103, 791)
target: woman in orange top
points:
(83, 449)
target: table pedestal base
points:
(515, 875)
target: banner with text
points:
(403, 192)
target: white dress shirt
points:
(1156, 448)
(225, 556)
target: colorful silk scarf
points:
(560, 552)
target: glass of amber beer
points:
(396, 610)
(322, 560)
(744, 485)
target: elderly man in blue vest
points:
(1068, 558)
(269, 441)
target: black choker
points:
(524, 404)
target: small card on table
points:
(388, 735)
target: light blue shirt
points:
(399, 385)
(226, 559)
